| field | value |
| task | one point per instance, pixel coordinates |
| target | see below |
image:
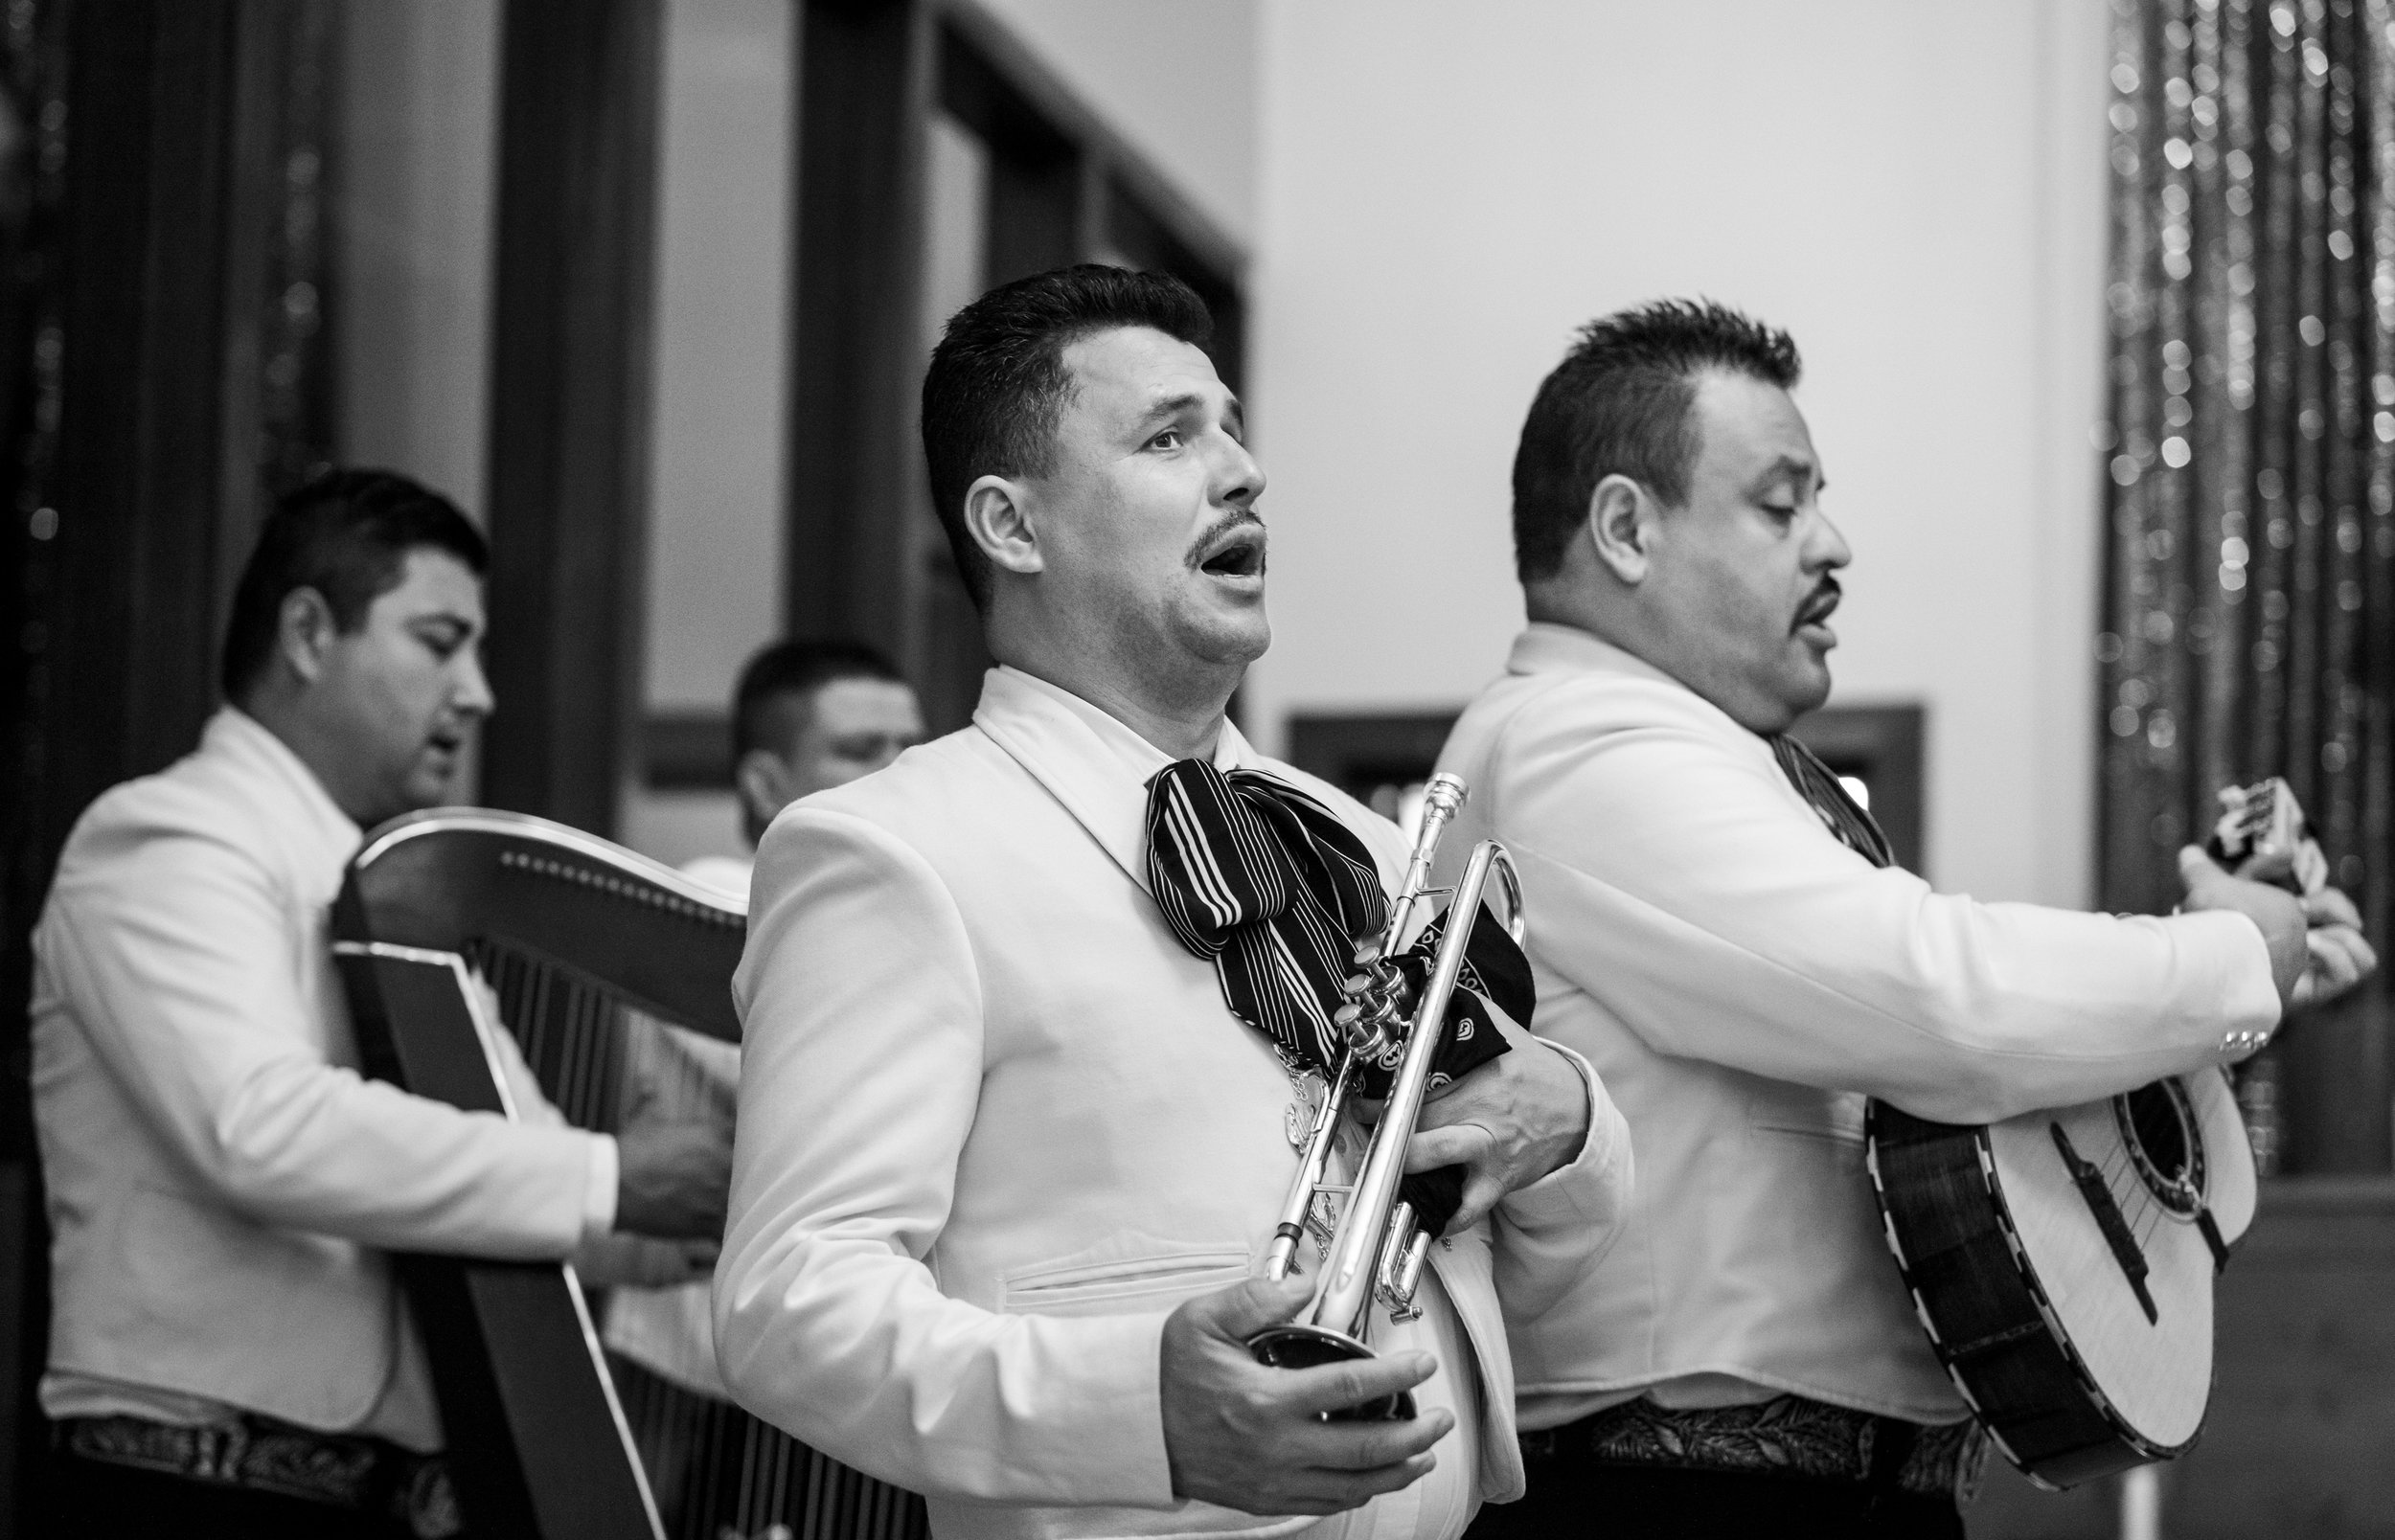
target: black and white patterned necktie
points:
(1266, 881)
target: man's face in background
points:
(825, 738)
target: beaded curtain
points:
(2249, 603)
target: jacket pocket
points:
(1122, 1285)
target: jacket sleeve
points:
(177, 958)
(862, 1058)
(1678, 882)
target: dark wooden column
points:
(855, 347)
(569, 403)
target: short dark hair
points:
(789, 669)
(1620, 403)
(346, 535)
(997, 382)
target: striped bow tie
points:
(1266, 881)
(1818, 784)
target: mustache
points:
(1824, 599)
(1236, 519)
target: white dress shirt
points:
(996, 1124)
(222, 1183)
(1743, 982)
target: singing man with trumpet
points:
(1042, 1020)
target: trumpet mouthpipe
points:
(1281, 1257)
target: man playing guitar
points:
(1717, 928)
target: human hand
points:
(2337, 957)
(1514, 1119)
(617, 1261)
(673, 1177)
(1252, 1437)
(2279, 913)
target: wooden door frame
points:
(569, 420)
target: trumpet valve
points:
(1403, 1250)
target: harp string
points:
(718, 1473)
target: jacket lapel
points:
(1094, 765)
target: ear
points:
(997, 516)
(304, 633)
(1622, 519)
(763, 782)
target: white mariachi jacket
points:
(223, 1181)
(996, 1124)
(1743, 982)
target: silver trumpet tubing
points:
(1379, 1248)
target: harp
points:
(614, 975)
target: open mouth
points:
(1237, 551)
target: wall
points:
(715, 539)
(414, 180)
(1916, 192)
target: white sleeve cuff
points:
(599, 1195)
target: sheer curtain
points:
(2249, 598)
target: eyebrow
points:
(1802, 468)
(443, 617)
(1173, 406)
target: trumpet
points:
(1379, 1248)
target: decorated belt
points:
(260, 1455)
(1790, 1436)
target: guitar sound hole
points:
(2158, 1126)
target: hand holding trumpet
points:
(1256, 1439)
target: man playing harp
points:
(228, 1353)
(1010, 1150)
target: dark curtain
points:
(164, 369)
(2249, 603)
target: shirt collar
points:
(1098, 767)
(1545, 646)
(240, 738)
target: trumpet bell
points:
(1296, 1345)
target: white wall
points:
(1915, 191)
(723, 344)
(723, 220)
